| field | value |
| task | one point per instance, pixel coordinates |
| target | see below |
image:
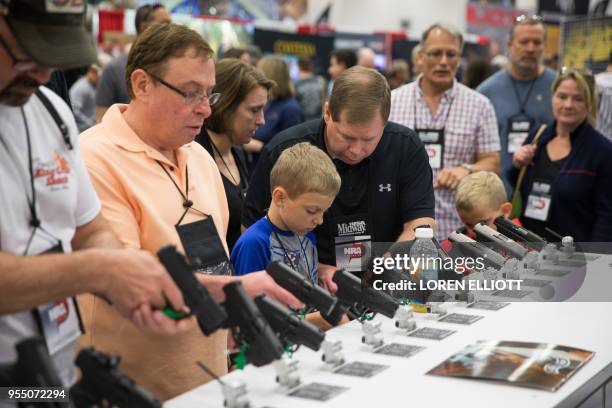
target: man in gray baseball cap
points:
(54, 241)
(51, 32)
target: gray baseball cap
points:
(52, 32)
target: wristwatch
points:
(468, 167)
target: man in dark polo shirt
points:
(386, 179)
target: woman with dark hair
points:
(236, 116)
(567, 185)
(283, 110)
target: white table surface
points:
(577, 324)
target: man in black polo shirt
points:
(386, 179)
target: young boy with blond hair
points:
(304, 183)
(481, 196)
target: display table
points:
(405, 382)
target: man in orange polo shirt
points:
(159, 188)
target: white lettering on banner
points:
(352, 228)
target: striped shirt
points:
(604, 94)
(470, 127)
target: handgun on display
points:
(306, 291)
(519, 234)
(250, 326)
(470, 248)
(351, 291)
(210, 314)
(486, 234)
(102, 382)
(33, 368)
(238, 313)
(288, 325)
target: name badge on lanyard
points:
(203, 247)
(518, 130)
(59, 322)
(434, 145)
(539, 201)
(353, 242)
(200, 239)
(433, 139)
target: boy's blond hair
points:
(304, 168)
(479, 189)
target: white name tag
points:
(60, 323)
(538, 207)
(65, 6)
(516, 140)
(434, 151)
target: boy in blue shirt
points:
(304, 183)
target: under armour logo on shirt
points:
(384, 187)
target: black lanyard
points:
(518, 96)
(35, 222)
(187, 203)
(224, 163)
(433, 118)
(293, 265)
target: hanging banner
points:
(292, 46)
(586, 42)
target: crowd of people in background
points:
(484, 140)
(178, 146)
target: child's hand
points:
(326, 273)
(523, 155)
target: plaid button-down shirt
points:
(470, 127)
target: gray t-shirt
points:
(111, 86)
(535, 98)
(310, 93)
(83, 100)
(65, 200)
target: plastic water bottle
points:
(425, 250)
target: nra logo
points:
(356, 251)
(539, 204)
(59, 313)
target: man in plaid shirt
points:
(457, 124)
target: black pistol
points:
(102, 382)
(307, 292)
(210, 314)
(288, 325)
(470, 248)
(33, 368)
(351, 291)
(519, 234)
(499, 241)
(250, 326)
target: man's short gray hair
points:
(446, 28)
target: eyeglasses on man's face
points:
(437, 54)
(190, 98)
